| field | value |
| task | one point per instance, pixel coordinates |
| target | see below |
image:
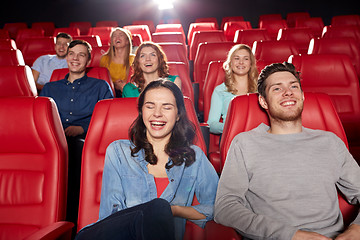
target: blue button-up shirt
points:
(76, 101)
(126, 183)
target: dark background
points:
(62, 12)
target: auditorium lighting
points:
(164, 4)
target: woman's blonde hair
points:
(252, 74)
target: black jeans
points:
(148, 221)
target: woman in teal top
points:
(240, 78)
(149, 65)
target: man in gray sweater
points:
(280, 182)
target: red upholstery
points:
(267, 52)
(342, 31)
(175, 52)
(348, 46)
(11, 57)
(94, 40)
(316, 24)
(150, 24)
(208, 19)
(143, 30)
(136, 40)
(342, 20)
(273, 26)
(36, 47)
(161, 37)
(26, 33)
(319, 113)
(230, 18)
(48, 27)
(6, 44)
(96, 54)
(17, 81)
(271, 16)
(214, 77)
(204, 36)
(84, 27)
(202, 26)
(72, 31)
(4, 34)
(33, 170)
(170, 27)
(110, 121)
(95, 72)
(231, 27)
(293, 16)
(180, 69)
(13, 28)
(103, 32)
(249, 36)
(206, 53)
(301, 37)
(107, 24)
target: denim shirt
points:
(127, 183)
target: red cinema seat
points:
(4, 34)
(13, 28)
(149, 23)
(17, 81)
(11, 57)
(267, 52)
(273, 26)
(342, 20)
(136, 40)
(33, 170)
(293, 16)
(170, 27)
(175, 52)
(249, 36)
(103, 32)
(230, 18)
(108, 23)
(206, 53)
(180, 69)
(84, 27)
(94, 40)
(95, 72)
(347, 46)
(48, 27)
(7, 44)
(271, 16)
(204, 36)
(319, 113)
(26, 33)
(161, 37)
(316, 24)
(342, 31)
(208, 19)
(231, 27)
(36, 47)
(143, 30)
(301, 37)
(96, 54)
(72, 31)
(214, 77)
(202, 26)
(335, 75)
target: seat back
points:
(342, 31)
(228, 19)
(291, 17)
(301, 37)
(347, 46)
(48, 27)
(162, 37)
(231, 27)
(26, 33)
(149, 23)
(17, 81)
(342, 20)
(107, 23)
(96, 54)
(206, 53)
(4, 34)
(143, 30)
(249, 36)
(103, 32)
(273, 26)
(201, 26)
(204, 36)
(36, 47)
(95, 72)
(111, 121)
(33, 166)
(175, 52)
(13, 28)
(170, 27)
(180, 69)
(245, 114)
(93, 40)
(208, 19)
(72, 31)
(84, 27)
(6, 44)
(316, 24)
(11, 57)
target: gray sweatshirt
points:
(272, 184)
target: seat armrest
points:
(58, 230)
(215, 231)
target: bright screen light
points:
(164, 4)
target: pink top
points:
(161, 184)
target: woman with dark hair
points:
(149, 65)
(150, 182)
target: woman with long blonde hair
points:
(240, 78)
